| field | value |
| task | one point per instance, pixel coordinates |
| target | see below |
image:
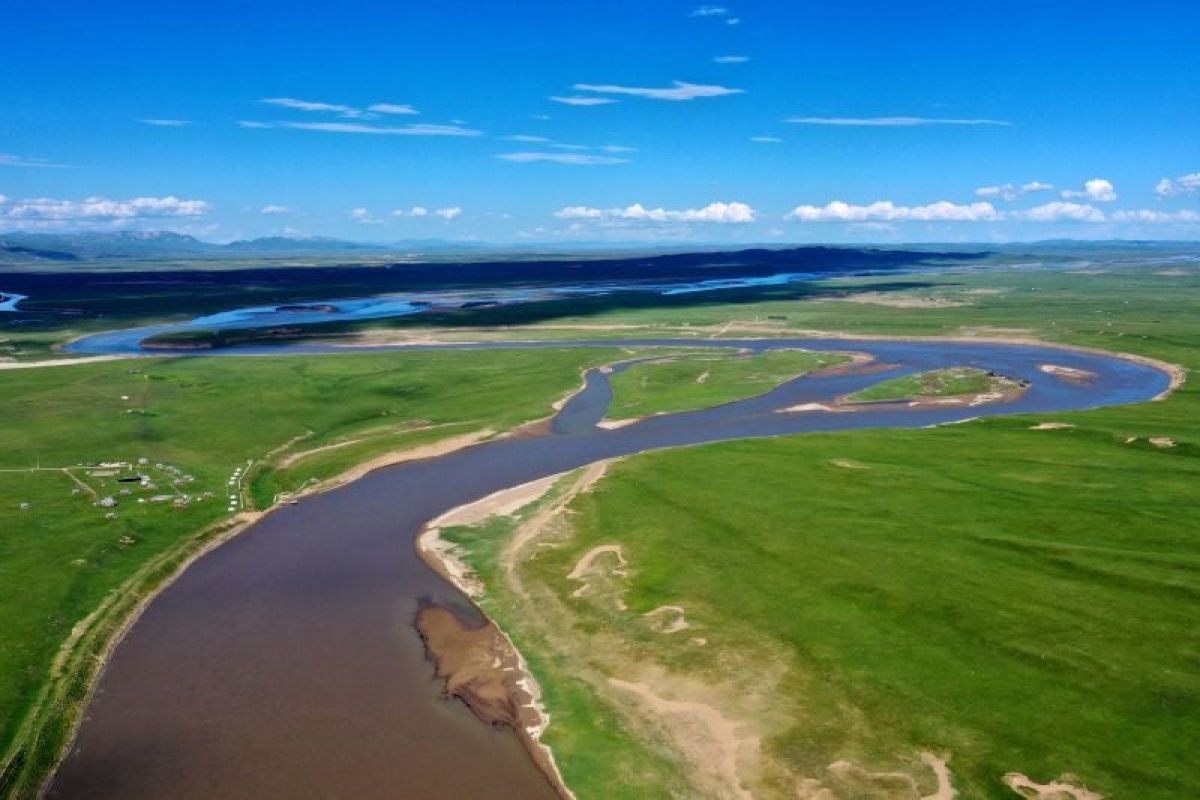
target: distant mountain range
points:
(68, 247)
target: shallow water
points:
(285, 664)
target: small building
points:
(107, 502)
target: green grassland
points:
(1016, 598)
(704, 380)
(934, 383)
(194, 422)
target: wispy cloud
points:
(1061, 212)
(9, 160)
(577, 159)
(274, 209)
(583, 101)
(1157, 217)
(1097, 189)
(1184, 184)
(521, 137)
(415, 211)
(709, 11)
(448, 213)
(720, 213)
(102, 208)
(166, 123)
(392, 108)
(887, 211)
(891, 122)
(678, 91)
(370, 112)
(310, 105)
(382, 130)
(1010, 192)
(249, 123)
(731, 59)
(766, 139)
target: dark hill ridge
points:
(186, 291)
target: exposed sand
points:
(898, 300)
(294, 458)
(481, 666)
(505, 501)
(846, 463)
(1051, 426)
(667, 619)
(703, 376)
(1162, 441)
(1079, 377)
(717, 745)
(860, 782)
(62, 362)
(1054, 790)
(432, 450)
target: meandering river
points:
(285, 663)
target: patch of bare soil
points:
(293, 458)
(480, 666)
(1051, 426)
(667, 619)
(900, 300)
(1078, 377)
(1162, 441)
(60, 362)
(1061, 789)
(846, 463)
(720, 748)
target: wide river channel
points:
(285, 663)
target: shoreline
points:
(108, 624)
(111, 621)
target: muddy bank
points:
(479, 665)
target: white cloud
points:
(722, 213)
(1010, 192)
(309, 105)
(392, 108)
(10, 160)
(415, 211)
(1061, 212)
(381, 130)
(731, 59)
(733, 21)
(617, 148)
(3, 199)
(363, 216)
(584, 101)
(1097, 189)
(575, 147)
(766, 139)
(891, 122)
(1184, 184)
(1156, 217)
(1004, 192)
(709, 11)
(526, 138)
(678, 91)
(579, 159)
(887, 211)
(275, 209)
(102, 208)
(166, 123)
(248, 123)
(448, 213)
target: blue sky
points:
(688, 122)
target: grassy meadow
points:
(1012, 597)
(195, 422)
(705, 380)
(934, 383)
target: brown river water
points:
(285, 664)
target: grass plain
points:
(704, 380)
(1014, 597)
(227, 424)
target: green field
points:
(61, 556)
(1014, 597)
(704, 380)
(935, 383)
